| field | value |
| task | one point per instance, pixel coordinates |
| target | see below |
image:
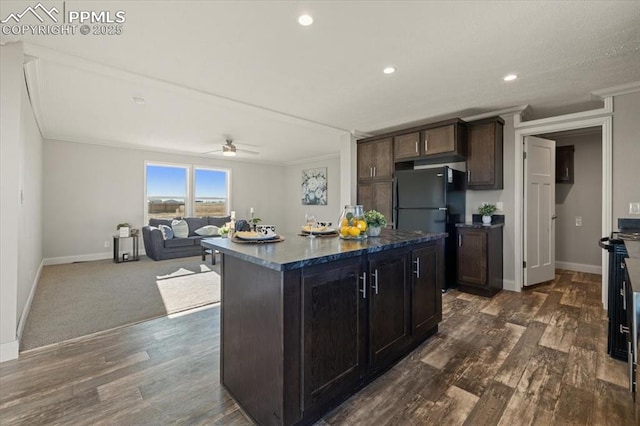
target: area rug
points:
(78, 299)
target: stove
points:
(628, 229)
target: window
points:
(184, 190)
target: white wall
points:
(576, 247)
(88, 189)
(20, 217)
(291, 194)
(626, 155)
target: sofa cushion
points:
(180, 228)
(158, 222)
(208, 231)
(218, 221)
(167, 232)
(195, 223)
(179, 242)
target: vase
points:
(373, 231)
(486, 219)
(352, 223)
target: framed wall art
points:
(314, 186)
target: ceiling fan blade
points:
(246, 151)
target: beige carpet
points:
(77, 299)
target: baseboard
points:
(579, 267)
(9, 350)
(27, 306)
(78, 258)
(510, 285)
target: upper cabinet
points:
(438, 142)
(484, 155)
(564, 164)
(375, 159)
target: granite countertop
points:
(479, 225)
(297, 251)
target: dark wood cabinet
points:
(375, 159)
(334, 336)
(427, 267)
(389, 306)
(406, 146)
(564, 164)
(377, 196)
(480, 259)
(485, 154)
(447, 142)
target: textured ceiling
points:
(248, 69)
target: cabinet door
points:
(389, 326)
(439, 140)
(383, 160)
(334, 354)
(377, 196)
(472, 256)
(427, 289)
(366, 156)
(564, 164)
(484, 160)
(406, 146)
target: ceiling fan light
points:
(229, 150)
(229, 153)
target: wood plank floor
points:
(532, 358)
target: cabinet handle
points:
(417, 149)
(623, 329)
(630, 364)
(417, 271)
(567, 172)
(426, 144)
(375, 172)
(459, 240)
(370, 171)
(623, 293)
(374, 275)
(468, 175)
(363, 290)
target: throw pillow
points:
(180, 228)
(167, 232)
(207, 231)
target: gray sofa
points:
(157, 248)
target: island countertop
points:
(298, 251)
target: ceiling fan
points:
(229, 149)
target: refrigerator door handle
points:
(443, 209)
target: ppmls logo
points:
(88, 22)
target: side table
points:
(117, 258)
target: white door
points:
(539, 210)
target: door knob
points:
(554, 217)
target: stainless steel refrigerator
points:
(432, 200)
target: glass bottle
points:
(352, 223)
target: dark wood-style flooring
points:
(537, 357)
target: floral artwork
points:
(314, 186)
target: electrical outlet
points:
(578, 220)
(634, 208)
(500, 205)
(107, 244)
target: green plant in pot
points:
(486, 210)
(375, 222)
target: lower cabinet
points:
(480, 260)
(334, 336)
(361, 316)
(389, 306)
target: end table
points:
(117, 258)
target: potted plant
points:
(375, 222)
(486, 210)
(123, 229)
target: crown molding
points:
(622, 89)
(312, 160)
(506, 112)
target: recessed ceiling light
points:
(139, 101)
(389, 70)
(510, 77)
(305, 20)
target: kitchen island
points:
(307, 322)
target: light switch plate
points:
(634, 208)
(578, 220)
(499, 205)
